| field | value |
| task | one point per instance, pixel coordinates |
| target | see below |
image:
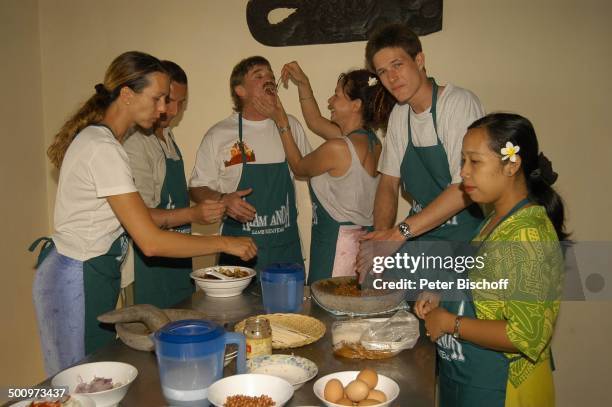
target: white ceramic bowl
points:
(250, 384)
(222, 288)
(385, 384)
(295, 369)
(120, 373)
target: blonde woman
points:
(78, 272)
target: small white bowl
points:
(250, 384)
(385, 384)
(120, 373)
(222, 288)
(295, 369)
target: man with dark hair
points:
(159, 175)
(423, 152)
(242, 163)
(422, 146)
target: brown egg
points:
(377, 395)
(344, 402)
(333, 390)
(357, 390)
(369, 377)
(368, 402)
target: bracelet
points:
(306, 98)
(457, 325)
(282, 130)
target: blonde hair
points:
(129, 69)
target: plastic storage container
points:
(190, 358)
(282, 287)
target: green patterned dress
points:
(524, 248)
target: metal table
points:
(413, 370)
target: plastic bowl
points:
(222, 288)
(120, 373)
(253, 385)
(385, 384)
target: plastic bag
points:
(397, 333)
(375, 338)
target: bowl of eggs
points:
(356, 388)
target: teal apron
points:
(102, 282)
(274, 228)
(162, 281)
(425, 175)
(325, 229)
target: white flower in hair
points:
(372, 81)
(510, 152)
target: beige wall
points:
(547, 59)
(23, 205)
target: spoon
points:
(218, 275)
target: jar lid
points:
(277, 272)
(189, 331)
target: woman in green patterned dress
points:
(520, 241)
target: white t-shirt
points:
(218, 162)
(456, 109)
(95, 166)
(148, 163)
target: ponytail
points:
(376, 101)
(92, 111)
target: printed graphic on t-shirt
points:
(236, 154)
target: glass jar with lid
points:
(258, 334)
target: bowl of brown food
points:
(223, 281)
(341, 295)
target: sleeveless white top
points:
(349, 197)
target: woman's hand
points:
(439, 322)
(242, 247)
(292, 71)
(425, 303)
(208, 212)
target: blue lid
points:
(283, 272)
(189, 331)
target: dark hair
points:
(392, 36)
(537, 169)
(129, 69)
(238, 74)
(376, 101)
(175, 72)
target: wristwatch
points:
(457, 325)
(284, 129)
(404, 229)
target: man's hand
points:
(242, 247)
(273, 110)
(368, 249)
(238, 208)
(208, 212)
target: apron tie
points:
(44, 250)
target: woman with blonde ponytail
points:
(78, 270)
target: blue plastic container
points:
(282, 287)
(190, 358)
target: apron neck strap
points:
(522, 203)
(240, 142)
(372, 139)
(432, 110)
